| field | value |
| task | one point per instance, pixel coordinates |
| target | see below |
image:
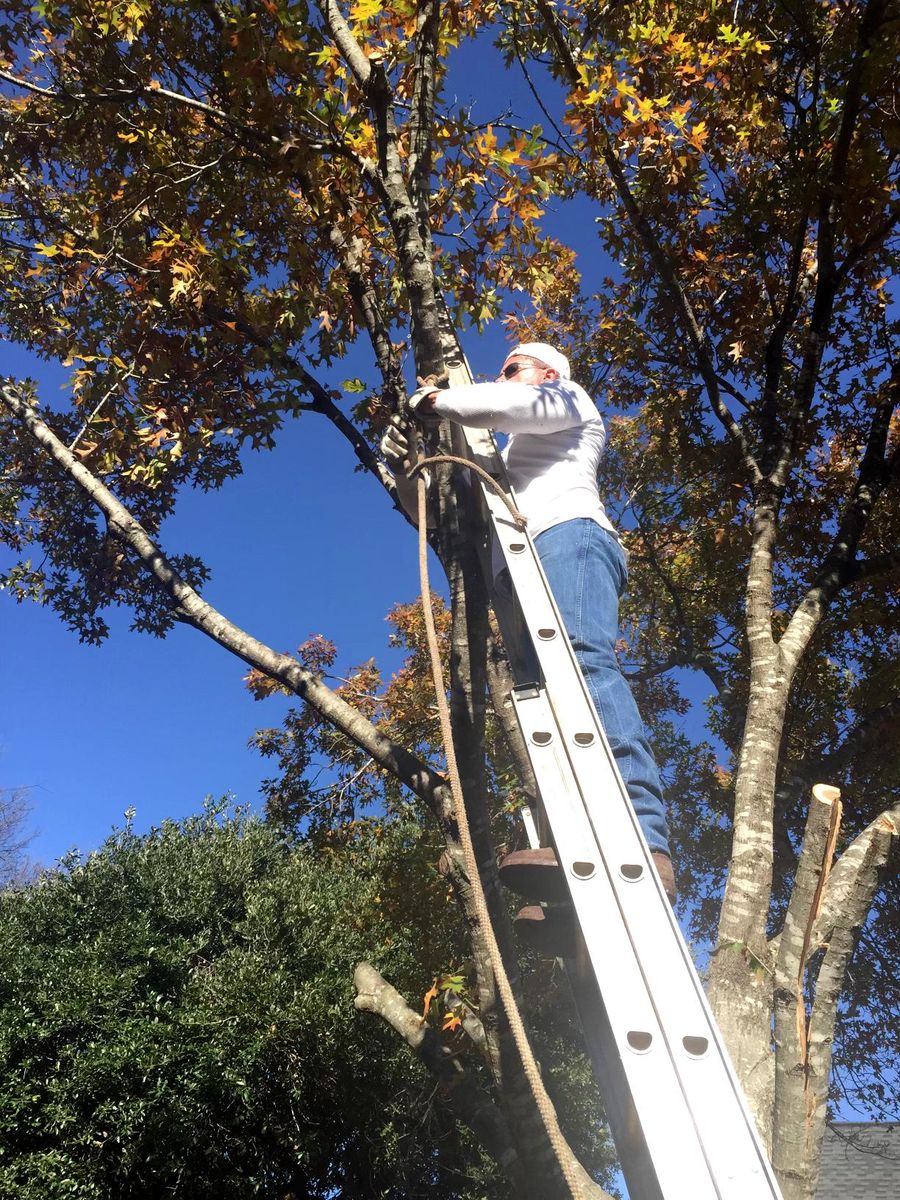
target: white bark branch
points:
(191, 608)
(848, 870)
(459, 1090)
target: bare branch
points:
(458, 1087)
(191, 608)
(14, 812)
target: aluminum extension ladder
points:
(679, 1119)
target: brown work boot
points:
(535, 875)
(666, 873)
(552, 932)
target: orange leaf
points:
(430, 995)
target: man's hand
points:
(395, 445)
(420, 405)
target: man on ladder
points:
(556, 441)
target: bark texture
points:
(828, 909)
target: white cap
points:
(546, 354)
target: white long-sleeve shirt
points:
(555, 446)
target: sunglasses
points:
(514, 368)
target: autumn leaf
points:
(430, 996)
(364, 10)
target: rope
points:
(520, 520)
(529, 1063)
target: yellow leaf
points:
(363, 10)
(487, 141)
(289, 43)
(49, 251)
(645, 108)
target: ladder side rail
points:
(638, 1081)
(709, 1084)
(716, 1101)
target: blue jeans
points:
(585, 565)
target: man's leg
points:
(585, 566)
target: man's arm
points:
(513, 407)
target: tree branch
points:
(429, 786)
(117, 95)
(869, 734)
(828, 279)
(272, 142)
(321, 400)
(774, 352)
(500, 683)
(350, 256)
(865, 569)
(421, 122)
(838, 567)
(791, 1029)
(351, 52)
(388, 178)
(859, 250)
(849, 871)
(458, 1087)
(851, 900)
(658, 257)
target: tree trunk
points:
(740, 977)
(834, 911)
